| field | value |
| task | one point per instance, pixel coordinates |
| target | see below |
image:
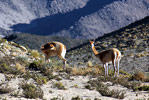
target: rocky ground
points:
(74, 87)
(24, 75)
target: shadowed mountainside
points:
(75, 19)
(61, 21)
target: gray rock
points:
(2, 78)
(1, 54)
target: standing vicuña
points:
(107, 56)
(54, 49)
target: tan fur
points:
(107, 56)
(54, 49)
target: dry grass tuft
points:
(20, 68)
(87, 71)
(35, 53)
(140, 76)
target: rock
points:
(1, 54)
(2, 78)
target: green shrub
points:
(76, 98)
(97, 99)
(31, 91)
(143, 88)
(4, 68)
(39, 79)
(126, 83)
(105, 91)
(88, 87)
(27, 75)
(59, 85)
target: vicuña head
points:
(54, 49)
(111, 55)
(48, 46)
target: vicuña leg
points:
(104, 65)
(114, 66)
(107, 68)
(118, 68)
(64, 60)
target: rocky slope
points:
(77, 19)
(132, 41)
(25, 76)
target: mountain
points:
(76, 19)
(131, 40)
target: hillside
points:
(76, 19)
(35, 41)
(24, 75)
(132, 41)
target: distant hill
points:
(35, 41)
(132, 41)
(73, 18)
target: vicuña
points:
(54, 49)
(111, 55)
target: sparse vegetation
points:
(75, 86)
(43, 68)
(35, 54)
(76, 98)
(105, 91)
(4, 90)
(59, 85)
(40, 79)
(22, 60)
(32, 91)
(88, 86)
(93, 71)
(140, 76)
(57, 98)
(7, 69)
(143, 88)
(20, 68)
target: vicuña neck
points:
(94, 49)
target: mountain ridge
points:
(76, 19)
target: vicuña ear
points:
(52, 47)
